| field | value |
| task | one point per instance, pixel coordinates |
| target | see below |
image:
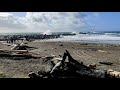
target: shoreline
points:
(80, 42)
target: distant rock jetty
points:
(14, 38)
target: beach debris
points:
(59, 59)
(56, 66)
(60, 55)
(73, 68)
(19, 47)
(7, 44)
(53, 55)
(93, 49)
(33, 75)
(17, 54)
(41, 74)
(113, 74)
(106, 63)
(48, 57)
(10, 51)
(52, 63)
(101, 51)
(92, 66)
(73, 47)
(110, 70)
(61, 45)
(25, 43)
(84, 43)
(79, 69)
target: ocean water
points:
(108, 37)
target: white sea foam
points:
(90, 38)
(100, 38)
(48, 32)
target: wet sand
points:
(87, 52)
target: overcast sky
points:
(58, 21)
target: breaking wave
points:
(105, 38)
(48, 32)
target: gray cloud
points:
(43, 21)
(67, 21)
(11, 21)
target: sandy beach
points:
(88, 53)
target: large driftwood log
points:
(17, 53)
(76, 69)
(79, 68)
(11, 50)
(19, 47)
(22, 47)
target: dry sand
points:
(87, 52)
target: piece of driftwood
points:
(78, 68)
(26, 56)
(17, 54)
(19, 51)
(92, 66)
(13, 51)
(22, 47)
(58, 65)
(33, 75)
(113, 74)
(106, 63)
(19, 47)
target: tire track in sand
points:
(83, 54)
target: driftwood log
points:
(113, 74)
(106, 63)
(22, 51)
(19, 47)
(18, 51)
(78, 68)
(22, 46)
(17, 54)
(75, 69)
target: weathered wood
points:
(33, 75)
(79, 68)
(75, 62)
(22, 51)
(113, 74)
(57, 66)
(106, 63)
(17, 47)
(76, 69)
(17, 53)
(92, 66)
